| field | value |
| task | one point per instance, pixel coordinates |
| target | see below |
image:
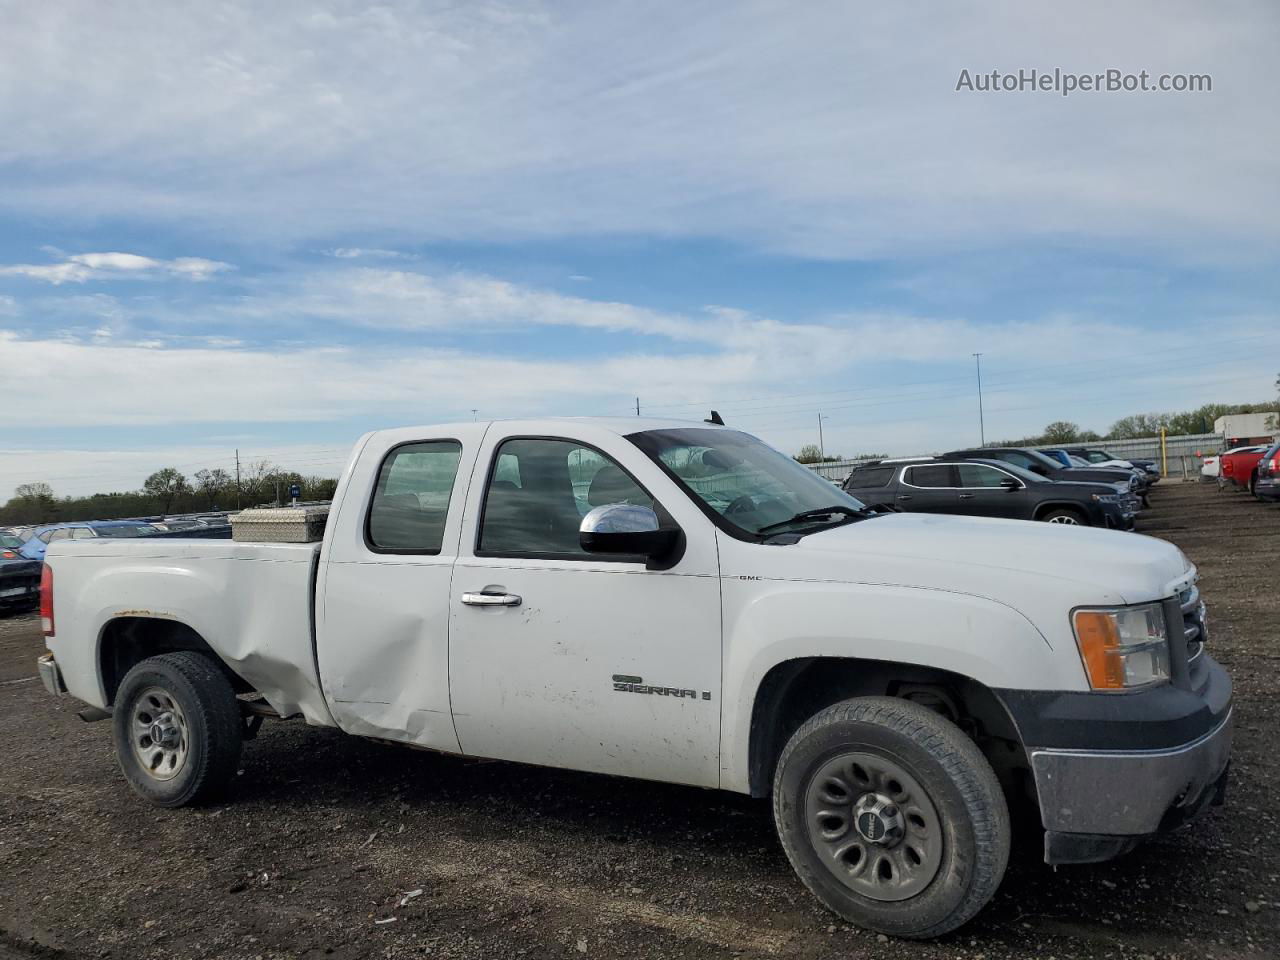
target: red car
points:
(1241, 468)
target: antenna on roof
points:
(714, 418)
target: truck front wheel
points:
(177, 729)
(891, 816)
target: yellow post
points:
(1164, 454)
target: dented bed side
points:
(250, 602)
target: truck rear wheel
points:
(177, 729)
(891, 816)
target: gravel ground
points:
(343, 848)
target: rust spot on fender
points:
(158, 614)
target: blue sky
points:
(231, 225)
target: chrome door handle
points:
(966, 496)
(904, 496)
(491, 599)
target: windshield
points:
(1022, 473)
(744, 481)
(1044, 460)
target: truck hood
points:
(1000, 559)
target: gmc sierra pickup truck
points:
(680, 602)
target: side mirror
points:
(625, 528)
(1010, 484)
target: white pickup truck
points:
(678, 601)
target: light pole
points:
(982, 427)
(822, 450)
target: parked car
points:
(34, 549)
(1101, 458)
(1074, 462)
(19, 577)
(988, 488)
(1211, 466)
(1125, 481)
(176, 524)
(1266, 486)
(720, 616)
(1241, 467)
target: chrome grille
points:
(1193, 621)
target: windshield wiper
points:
(818, 514)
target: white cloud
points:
(82, 267)
(114, 261)
(374, 253)
(826, 128)
(146, 383)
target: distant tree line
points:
(167, 491)
(1137, 425)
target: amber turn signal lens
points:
(1099, 639)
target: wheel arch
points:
(126, 641)
(794, 690)
(1049, 506)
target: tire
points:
(954, 816)
(1066, 515)
(177, 729)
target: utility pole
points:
(822, 450)
(982, 427)
(473, 414)
(237, 478)
(637, 406)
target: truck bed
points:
(251, 602)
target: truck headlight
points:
(1109, 497)
(1123, 647)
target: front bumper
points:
(20, 588)
(1110, 769)
(50, 675)
(1089, 795)
(1118, 516)
(1267, 488)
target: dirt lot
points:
(327, 834)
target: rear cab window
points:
(411, 499)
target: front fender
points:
(976, 637)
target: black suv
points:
(1046, 466)
(988, 488)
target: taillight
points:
(9, 555)
(1226, 466)
(46, 600)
